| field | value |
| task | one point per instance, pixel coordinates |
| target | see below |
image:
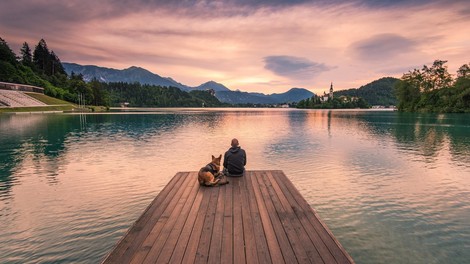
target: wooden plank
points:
(172, 210)
(227, 238)
(174, 224)
(262, 249)
(303, 218)
(294, 240)
(258, 218)
(217, 229)
(187, 217)
(238, 240)
(273, 245)
(248, 230)
(202, 253)
(333, 245)
(284, 244)
(182, 242)
(309, 246)
(143, 225)
(193, 243)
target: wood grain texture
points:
(258, 218)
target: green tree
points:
(463, 71)
(433, 90)
(408, 94)
(436, 76)
(26, 55)
(41, 56)
(56, 65)
(6, 54)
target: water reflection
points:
(44, 139)
(389, 185)
(424, 135)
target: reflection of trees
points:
(31, 136)
(45, 138)
(424, 134)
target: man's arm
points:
(244, 157)
(225, 159)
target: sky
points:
(249, 45)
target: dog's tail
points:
(214, 183)
(223, 182)
(217, 182)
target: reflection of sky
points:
(375, 177)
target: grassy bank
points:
(53, 104)
(37, 108)
(47, 99)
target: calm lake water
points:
(392, 187)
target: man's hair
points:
(234, 142)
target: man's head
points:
(234, 142)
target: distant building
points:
(328, 96)
(21, 87)
(331, 91)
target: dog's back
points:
(207, 175)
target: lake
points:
(392, 187)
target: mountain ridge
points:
(144, 76)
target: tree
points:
(6, 54)
(41, 57)
(26, 56)
(432, 89)
(56, 65)
(464, 71)
(436, 76)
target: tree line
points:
(433, 89)
(343, 102)
(42, 67)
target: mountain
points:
(293, 95)
(212, 85)
(143, 76)
(129, 75)
(378, 92)
(237, 97)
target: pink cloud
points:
(197, 41)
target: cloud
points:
(198, 40)
(294, 67)
(399, 70)
(383, 47)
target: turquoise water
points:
(392, 187)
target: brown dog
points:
(210, 174)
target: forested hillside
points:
(433, 89)
(138, 95)
(42, 67)
(378, 92)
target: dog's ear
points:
(213, 157)
(220, 156)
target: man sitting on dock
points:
(234, 160)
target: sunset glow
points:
(262, 46)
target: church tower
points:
(331, 91)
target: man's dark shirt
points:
(235, 160)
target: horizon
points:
(252, 46)
(235, 90)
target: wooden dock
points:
(258, 218)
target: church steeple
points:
(331, 91)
